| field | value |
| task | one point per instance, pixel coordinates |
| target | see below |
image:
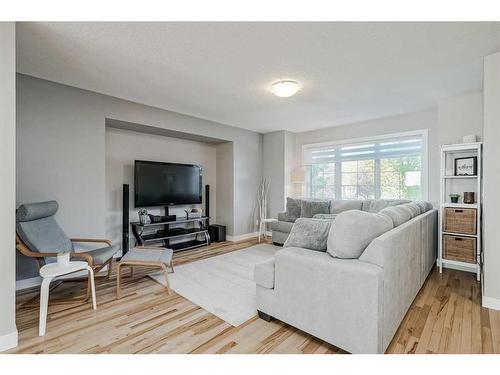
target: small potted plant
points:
(143, 216)
(454, 198)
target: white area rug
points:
(222, 285)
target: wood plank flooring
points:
(446, 317)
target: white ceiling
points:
(222, 71)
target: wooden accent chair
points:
(39, 236)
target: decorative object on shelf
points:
(143, 216)
(454, 198)
(469, 138)
(262, 200)
(469, 197)
(466, 166)
(193, 213)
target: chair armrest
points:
(86, 256)
(283, 216)
(25, 251)
(94, 240)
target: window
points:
(388, 167)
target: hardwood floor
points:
(446, 317)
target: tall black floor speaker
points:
(207, 202)
(125, 219)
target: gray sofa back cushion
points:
(402, 213)
(292, 209)
(337, 205)
(375, 205)
(309, 208)
(309, 234)
(352, 231)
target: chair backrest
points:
(39, 231)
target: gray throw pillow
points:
(309, 234)
(292, 209)
(309, 208)
(325, 216)
(352, 231)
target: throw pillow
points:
(352, 231)
(325, 216)
(398, 214)
(309, 234)
(309, 208)
(292, 209)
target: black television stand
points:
(143, 239)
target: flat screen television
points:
(162, 184)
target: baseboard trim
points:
(8, 341)
(28, 283)
(491, 303)
(242, 237)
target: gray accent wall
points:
(61, 155)
(8, 332)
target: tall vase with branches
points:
(262, 200)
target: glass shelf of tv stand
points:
(180, 221)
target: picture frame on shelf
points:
(466, 166)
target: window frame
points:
(376, 138)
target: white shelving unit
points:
(451, 184)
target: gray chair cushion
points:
(352, 231)
(103, 254)
(309, 208)
(34, 211)
(309, 234)
(337, 205)
(282, 226)
(292, 209)
(263, 273)
(44, 236)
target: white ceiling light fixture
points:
(285, 89)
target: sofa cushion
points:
(398, 214)
(263, 273)
(292, 209)
(35, 211)
(375, 205)
(352, 231)
(337, 205)
(309, 208)
(424, 206)
(309, 234)
(282, 226)
(325, 216)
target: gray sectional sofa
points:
(354, 299)
(297, 208)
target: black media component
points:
(217, 232)
(125, 219)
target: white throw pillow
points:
(352, 231)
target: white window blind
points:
(382, 168)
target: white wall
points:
(491, 180)
(460, 115)
(124, 147)
(61, 154)
(8, 331)
(389, 125)
(273, 169)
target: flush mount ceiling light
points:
(285, 89)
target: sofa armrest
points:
(337, 300)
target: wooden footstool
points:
(145, 256)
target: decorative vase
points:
(454, 199)
(469, 197)
(143, 219)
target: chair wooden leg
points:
(44, 304)
(118, 275)
(165, 271)
(110, 268)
